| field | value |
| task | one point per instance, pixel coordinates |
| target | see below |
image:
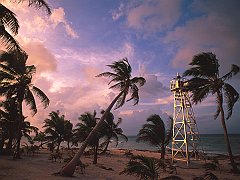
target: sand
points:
(108, 168)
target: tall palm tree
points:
(57, 128)
(8, 20)
(16, 82)
(206, 80)
(124, 82)
(142, 167)
(154, 132)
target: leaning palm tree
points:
(154, 133)
(16, 82)
(142, 167)
(124, 82)
(206, 80)
(9, 21)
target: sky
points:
(159, 38)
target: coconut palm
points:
(154, 132)
(8, 122)
(206, 80)
(16, 82)
(57, 128)
(87, 122)
(123, 81)
(27, 129)
(9, 21)
(41, 138)
(112, 132)
(142, 167)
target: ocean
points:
(211, 143)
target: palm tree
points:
(41, 138)
(206, 80)
(121, 76)
(87, 122)
(8, 122)
(27, 129)
(154, 132)
(142, 167)
(16, 82)
(56, 128)
(8, 20)
(112, 132)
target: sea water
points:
(210, 143)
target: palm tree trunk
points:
(19, 135)
(234, 166)
(58, 146)
(69, 169)
(96, 152)
(106, 147)
(162, 151)
(2, 144)
(9, 145)
(68, 145)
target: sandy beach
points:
(109, 166)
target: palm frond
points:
(138, 80)
(42, 96)
(30, 101)
(134, 94)
(233, 72)
(206, 63)
(8, 19)
(219, 103)
(198, 95)
(120, 101)
(8, 41)
(169, 131)
(142, 167)
(231, 96)
(38, 4)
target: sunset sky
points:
(159, 38)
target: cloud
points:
(153, 87)
(149, 16)
(40, 56)
(133, 120)
(31, 22)
(216, 30)
(118, 13)
(58, 17)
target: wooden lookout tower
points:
(185, 140)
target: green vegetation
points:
(154, 132)
(124, 82)
(206, 80)
(142, 167)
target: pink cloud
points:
(40, 56)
